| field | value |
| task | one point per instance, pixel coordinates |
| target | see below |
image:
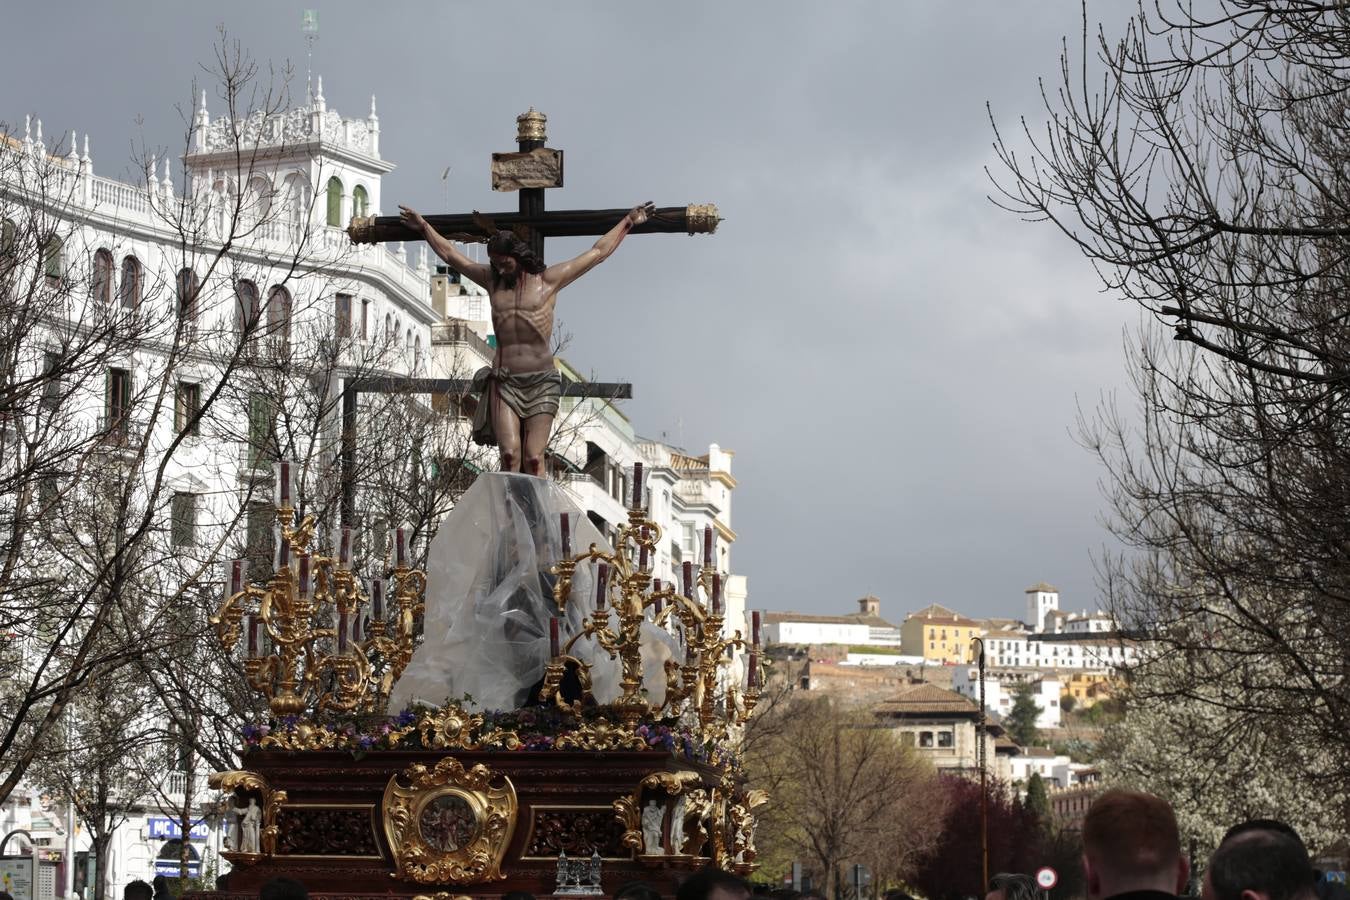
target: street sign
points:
(166, 828)
(1047, 877)
(16, 877)
(169, 868)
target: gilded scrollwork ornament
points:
(448, 824)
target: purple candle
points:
(707, 546)
(252, 636)
(377, 599)
(356, 629)
(342, 631)
(656, 601)
(566, 536)
(283, 551)
(754, 628)
(345, 549)
(688, 580)
(752, 676)
(553, 641)
(637, 485)
(401, 547)
(717, 594)
(305, 585)
(284, 482)
(236, 576)
(601, 577)
(642, 550)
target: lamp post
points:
(982, 760)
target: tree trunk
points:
(101, 842)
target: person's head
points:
(1260, 864)
(1011, 886)
(1131, 843)
(1261, 825)
(637, 890)
(712, 884)
(161, 886)
(508, 256)
(138, 890)
(283, 889)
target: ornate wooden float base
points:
(447, 823)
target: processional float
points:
(620, 763)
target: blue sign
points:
(164, 828)
(170, 869)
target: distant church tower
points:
(1041, 599)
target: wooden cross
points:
(532, 170)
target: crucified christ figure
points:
(520, 391)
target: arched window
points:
(246, 305)
(259, 199)
(388, 328)
(360, 201)
(9, 237)
(223, 200)
(397, 336)
(335, 202)
(279, 315)
(103, 277)
(129, 292)
(417, 353)
(407, 339)
(187, 287)
(53, 260)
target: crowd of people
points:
(1131, 851)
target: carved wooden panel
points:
(578, 832)
(325, 831)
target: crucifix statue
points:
(519, 392)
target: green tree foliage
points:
(1037, 800)
(1020, 721)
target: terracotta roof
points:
(1039, 752)
(1041, 587)
(1005, 635)
(926, 699)
(941, 615)
(996, 624)
(1007, 744)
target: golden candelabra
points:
(308, 610)
(625, 591)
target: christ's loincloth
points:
(526, 393)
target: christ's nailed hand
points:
(412, 218)
(640, 213)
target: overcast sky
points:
(896, 363)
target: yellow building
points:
(1087, 688)
(939, 634)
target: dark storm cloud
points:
(896, 363)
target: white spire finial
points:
(151, 176)
(86, 157)
(373, 114)
(39, 132)
(27, 128)
(318, 87)
(168, 180)
(74, 154)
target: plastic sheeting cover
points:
(490, 597)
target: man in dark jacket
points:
(1132, 848)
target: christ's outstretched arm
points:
(478, 273)
(564, 273)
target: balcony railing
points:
(457, 331)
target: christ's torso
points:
(522, 317)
